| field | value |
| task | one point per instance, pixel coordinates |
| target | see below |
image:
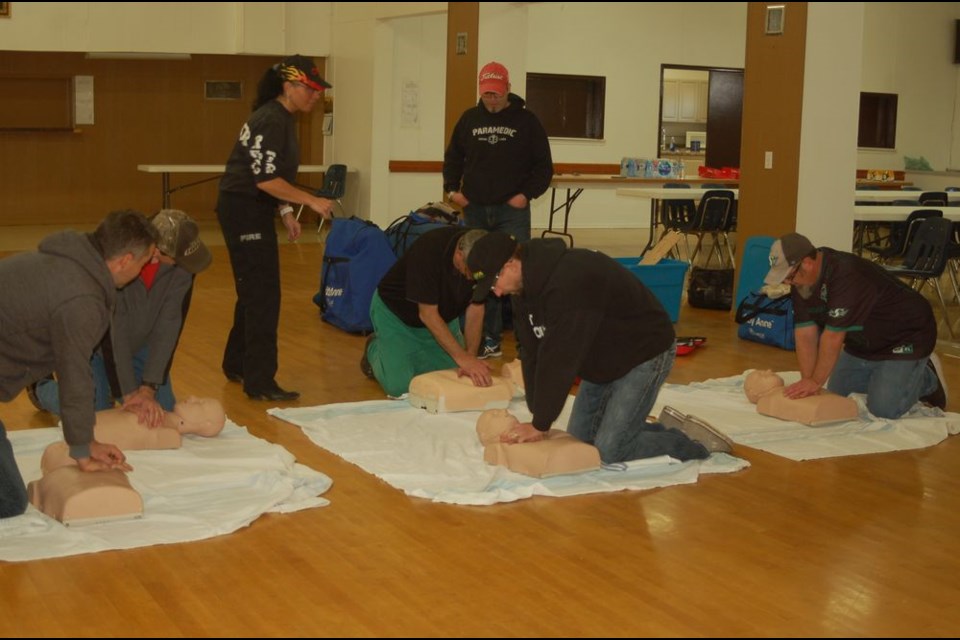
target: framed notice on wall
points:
(4, 9)
(775, 19)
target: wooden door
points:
(724, 118)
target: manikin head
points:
(759, 382)
(494, 422)
(202, 416)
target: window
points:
(568, 106)
(878, 121)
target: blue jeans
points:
(48, 391)
(613, 416)
(13, 493)
(497, 217)
(892, 386)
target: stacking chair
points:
(926, 259)
(713, 217)
(675, 215)
(895, 244)
(934, 199)
(334, 186)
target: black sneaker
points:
(938, 398)
(233, 376)
(489, 349)
(364, 362)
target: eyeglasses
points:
(793, 272)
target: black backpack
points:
(403, 231)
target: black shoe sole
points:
(233, 377)
(365, 367)
(274, 396)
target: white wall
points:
(828, 131)
(169, 27)
(626, 43)
(908, 49)
(362, 72)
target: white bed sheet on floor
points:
(438, 456)
(722, 403)
(206, 488)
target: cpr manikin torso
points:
(513, 372)
(443, 391)
(765, 389)
(74, 497)
(199, 416)
(557, 454)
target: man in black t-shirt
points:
(859, 329)
(416, 314)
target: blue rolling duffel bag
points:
(356, 257)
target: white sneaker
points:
(671, 418)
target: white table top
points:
(889, 195)
(661, 193)
(213, 168)
(589, 181)
(885, 213)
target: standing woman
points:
(257, 185)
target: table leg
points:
(165, 183)
(654, 217)
(567, 206)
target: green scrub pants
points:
(399, 352)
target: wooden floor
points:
(855, 546)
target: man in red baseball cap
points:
(498, 160)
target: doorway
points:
(701, 109)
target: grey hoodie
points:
(56, 306)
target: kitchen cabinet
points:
(685, 101)
(671, 102)
(703, 100)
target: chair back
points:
(675, 214)
(334, 182)
(902, 233)
(927, 250)
(934, 198)
(715, 210)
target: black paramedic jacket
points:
(581, 313)
(498, 155)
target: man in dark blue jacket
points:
(580, 313)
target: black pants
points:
(251, 236)
(13, 494)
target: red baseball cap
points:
(494, 77)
